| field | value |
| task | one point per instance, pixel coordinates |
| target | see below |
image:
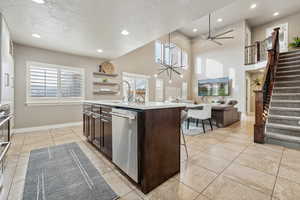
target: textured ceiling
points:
(240, 10)
(83, 26)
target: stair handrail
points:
(263, 95)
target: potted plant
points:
(296, 43)
(256, 83)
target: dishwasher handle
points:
(132, 117)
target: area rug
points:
(64, 172)
(196, 130)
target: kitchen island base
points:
(158, 141)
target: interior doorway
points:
(254, 79)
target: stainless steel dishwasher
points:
(125, 141)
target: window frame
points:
(162, 90)
(53, 100)
(164, 55)
(135, 77)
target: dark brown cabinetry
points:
(97, 127)
(87, 108)
(158, 141)
(107, 131)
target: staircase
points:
(283, 122)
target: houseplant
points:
(296, 43)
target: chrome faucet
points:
(129, 95)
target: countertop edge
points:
(137, 106)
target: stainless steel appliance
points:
(125, 141)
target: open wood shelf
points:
(105, 92)
(105, 83)
(104, 74)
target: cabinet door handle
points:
(104, 120)
(122, 115)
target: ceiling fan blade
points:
(224, 33)
(223, 38)
(216, 42)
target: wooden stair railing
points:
(263, 96)
(257, 52)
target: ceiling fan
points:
(220, 36)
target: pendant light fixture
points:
(171, 67)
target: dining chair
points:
(203, 113)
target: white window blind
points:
(43, 82)
(53, 83)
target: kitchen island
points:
(141, 140)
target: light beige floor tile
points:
(116, 183)
(289, 172)
(258, 163)
(61, 130)
(195, 177)
(265, 153)
(20, 173)
(225, 188)
(252, 178)
(174, 190)
(202, 197)
(222, 153)
(28, 148)
(286, 190)
(233, 146)
(210, 162)
(291, 158)
(131, 196)
(16, 191)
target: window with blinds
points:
(54, 83)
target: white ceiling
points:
(240, 10)
(83, 26)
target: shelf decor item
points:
(107, 68)
(296, 43)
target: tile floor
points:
(223, 164)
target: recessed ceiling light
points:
(38, 1)
(253, 6)
(195, 30)
(99, 50)
(220, 20)
(125, 32)
(276, 14)
(36, 35)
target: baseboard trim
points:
(41, 128)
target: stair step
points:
(285, 111)
(288, 73)
(291, 63)
(285, 120)
(289, 56)
(289, 59)
(292, 141)
(288, 78)
(287, 83)
(288, 68)
(285, 103)
(288, 53)
(286, 90)
(283, 129)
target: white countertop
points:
(146, 106)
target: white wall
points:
(32, 116)
(213, 61)
(142, 61)
(259, 32)
(6, 65)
